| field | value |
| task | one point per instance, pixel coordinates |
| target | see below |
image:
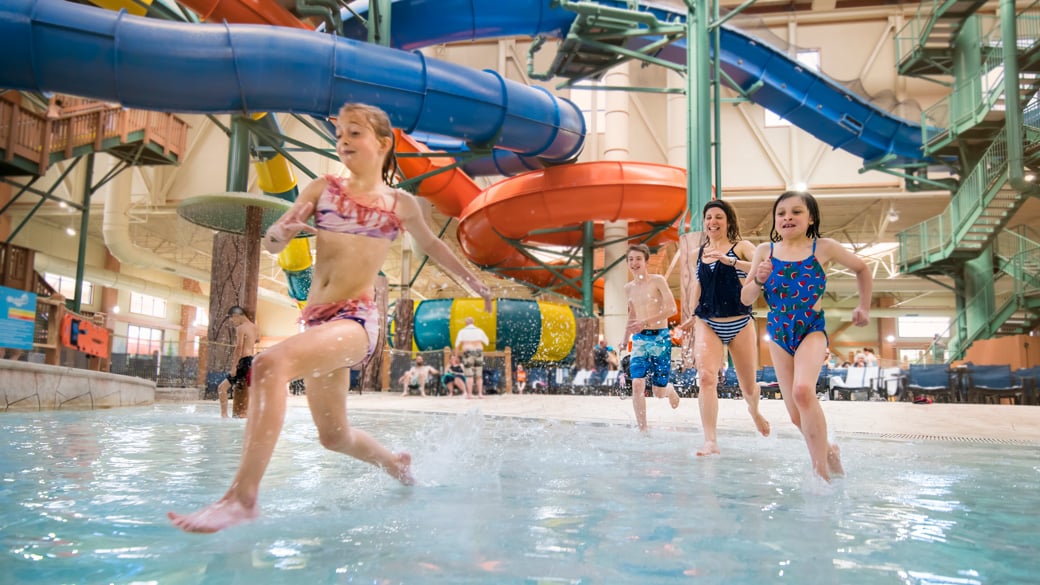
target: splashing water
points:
(503, 500)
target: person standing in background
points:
(246, 336)
(469, 343)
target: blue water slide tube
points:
(810, 100)
(53, 45)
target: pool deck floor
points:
(897, 420)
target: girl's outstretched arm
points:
(294, 221)
(835, 252)
(412, 220)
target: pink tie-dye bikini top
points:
(337, 212)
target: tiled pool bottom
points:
(84, 497)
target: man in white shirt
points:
(469, 343)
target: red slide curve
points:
(567, 195)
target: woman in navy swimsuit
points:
(720, 319)
(790, 270)
(356, 219)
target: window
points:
(921, 327)
(143, 340)
(67, 287)
(911, 356)
(201, 317)
(811, 60)
(147, 305)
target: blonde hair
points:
(380, 124)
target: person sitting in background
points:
(416, 377)
(860, 361)
(454, 376)
(521, 378)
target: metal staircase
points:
(925, 45)
(972, 228)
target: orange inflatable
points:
(86, 336)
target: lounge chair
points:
(928, 380)
(1029, 378)
(768, 383)
(857, 379)
(993, 385)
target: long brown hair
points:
(732, 228)
(380, 124)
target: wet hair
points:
(642, 248)
(380, 124)
(732, 227)
(810, 205)
(236, 310)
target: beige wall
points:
(1010, 350)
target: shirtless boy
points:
(246, 336)
(650, 303)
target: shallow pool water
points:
(84, 495)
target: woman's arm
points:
(412, 220)
(694, 299)
(744, 250)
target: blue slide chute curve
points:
(808, 99)
(52, 45)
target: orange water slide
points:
(244, 12)
(556, 197)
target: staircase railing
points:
(1008, 294)
(1019, 257)
(978, 189)
(970, 99)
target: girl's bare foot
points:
(760, 423)
(219, 515)
(709, 448)
(401, 468)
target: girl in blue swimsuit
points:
(790, 270)
(356, 219)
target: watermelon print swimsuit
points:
(791, 292)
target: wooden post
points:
(509, 370)
(587, 336)
(404, 324)
(52, 354)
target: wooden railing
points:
(35, 136)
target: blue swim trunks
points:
(651, 355)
